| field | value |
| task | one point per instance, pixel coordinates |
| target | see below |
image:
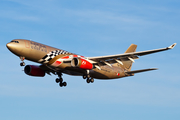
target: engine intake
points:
(34, 70)
(81, 63)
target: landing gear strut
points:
(60, 80)
(22, 63)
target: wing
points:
(127, 56)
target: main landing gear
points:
(22, 63)
(60, 80)
(88, 78)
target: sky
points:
(92, 28)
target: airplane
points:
(57, 61)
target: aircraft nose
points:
(10, 46)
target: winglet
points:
(172, 46)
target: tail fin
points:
(128, 64)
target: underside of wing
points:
(48, 69)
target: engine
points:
(81, 63)
(34, 70)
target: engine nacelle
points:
(81, 63)
(34, 70)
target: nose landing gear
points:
(22, 63)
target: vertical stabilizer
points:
(128, 64)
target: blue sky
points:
(92, 28)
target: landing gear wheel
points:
(60, 84)
(22, 64)
(84, 76)
(64, 84)
(88, 80)
(91, 80)
(57, 80)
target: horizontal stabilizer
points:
(138, 71)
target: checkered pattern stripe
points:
(51, 55)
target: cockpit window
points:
(15, 41)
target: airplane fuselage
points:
(61, 60)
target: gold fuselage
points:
(34, 51)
